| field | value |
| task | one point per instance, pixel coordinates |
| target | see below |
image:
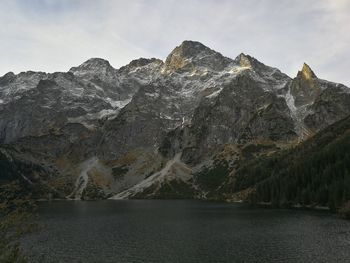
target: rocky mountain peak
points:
(91, 66)
(305, 87)
(190, 49)
(244, 60)
(8, 77)
(192, 54)
(306, 73)
(111, 130)
(139, 63)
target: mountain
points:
(316, 172)
(154, 129)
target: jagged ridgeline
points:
(180, 128)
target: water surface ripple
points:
(184, 231)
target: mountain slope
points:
(316, 172)
(106, 131)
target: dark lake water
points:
(185, 231)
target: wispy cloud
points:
(51, 35)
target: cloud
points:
(51, 35)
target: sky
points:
(54, 35)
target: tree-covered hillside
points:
(316, 172)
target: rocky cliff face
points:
(153, 125)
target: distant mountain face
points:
(97, 131)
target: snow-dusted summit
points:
(96, 131)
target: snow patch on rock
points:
(298, 114)
(118, 103)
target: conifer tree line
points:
(316, 173)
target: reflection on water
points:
(185, 231)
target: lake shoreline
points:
(266, 205)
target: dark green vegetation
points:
(316, 172)
(174, 189)
(211, 179)
(16, 210)
(119, 172)
(13, 167)
(93, 192)
(344, 211)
